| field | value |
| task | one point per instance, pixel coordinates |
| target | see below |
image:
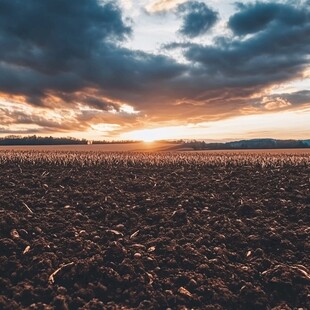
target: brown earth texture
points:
(154, 231)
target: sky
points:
(155, 69)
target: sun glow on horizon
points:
(148, 140)
(152, 135)
(269, 125)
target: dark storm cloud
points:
(276, 53)
(64, 46)
(198, 18)
(35, 85)
(50, 36)
(259, 16)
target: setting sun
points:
(148, 140)
(155, 134)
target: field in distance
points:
(142, 147)
(115, 147)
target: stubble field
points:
(94, 230)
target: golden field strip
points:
(274, 158)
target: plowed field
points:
(151, 231)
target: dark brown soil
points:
(154, 237)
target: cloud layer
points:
(260, 16)
(69, 58)
(277, 50)
(57, 48)
(198, 18)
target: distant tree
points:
(35, 140)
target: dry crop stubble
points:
(154, 230)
